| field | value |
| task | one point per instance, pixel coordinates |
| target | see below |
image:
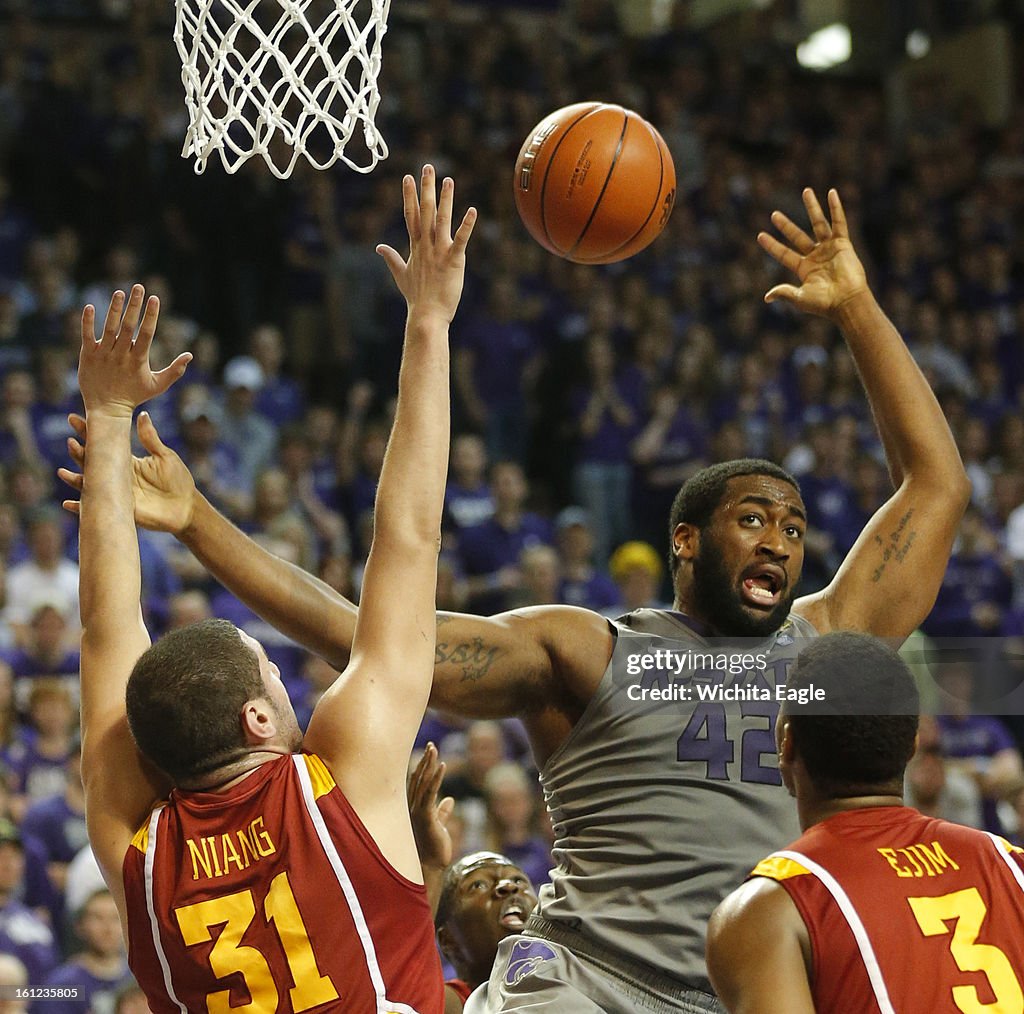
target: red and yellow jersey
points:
(906, 913)
(272, 897)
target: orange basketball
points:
(594, 183)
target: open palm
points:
(162, 485)
(829, 270)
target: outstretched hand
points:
(430, 817)
(431, 279)
(114, 374)
(829, 270)
(163, 487)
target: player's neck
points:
(814, 810)
(226, 777)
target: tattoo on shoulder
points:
(474, 655)
(896, 546)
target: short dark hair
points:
(698, 498)
(185, 698)
(862, 734)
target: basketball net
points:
(269, 78)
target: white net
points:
(282, 79)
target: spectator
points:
(58, 821)
(38, 759)
(280, 399)
(606, 413)
(13, 975)
(251, 437)
(489, 552)
(45, 652)
(22, 933)
(541, 573)
(484, 750)
(637, 571)
(978, 745)
(495, 364)
(514, 820)
(467, 497)
(582, 583)
(100, 968)
(47, 576)
(936, 788)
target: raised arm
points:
(541, 663)
(375, 707)
(888, 582)
(114, 377)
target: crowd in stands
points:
(583, 396)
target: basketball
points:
(594, 183)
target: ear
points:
(449, 948)
(258, 721)
(787, 755)
(685, 541)
(786, 749)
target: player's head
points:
(203, 697)
(485, 898)
(857, 739)
(736, 553)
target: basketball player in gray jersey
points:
(660, 806)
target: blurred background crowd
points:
(583, 396)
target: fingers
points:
(148, 329)
(786, 256)
(71, 506)
(393, 259)
(443, 222)
(69, 478)
(822, 230)
(77, 423)
(88, 325)
(445, 809)
(464, 231)
(113, 317)
(170, 374)
(411, 208)
(428, 202)
(76, 452)
(790, 293)
(148, 436)
(130, 321)
(838, 216)
(795, 236)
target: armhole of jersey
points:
(1004, 848)
(853, 920)
(148, 834)
(596, 699)
(303, 768)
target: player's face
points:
(289, 735)
(492, 902)
(750, 557)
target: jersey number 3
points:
(968, 910)
(235, 912)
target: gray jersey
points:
(663, 801)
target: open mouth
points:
(513, 915)
(762, 586)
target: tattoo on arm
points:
(896, 546)
(473, 655)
